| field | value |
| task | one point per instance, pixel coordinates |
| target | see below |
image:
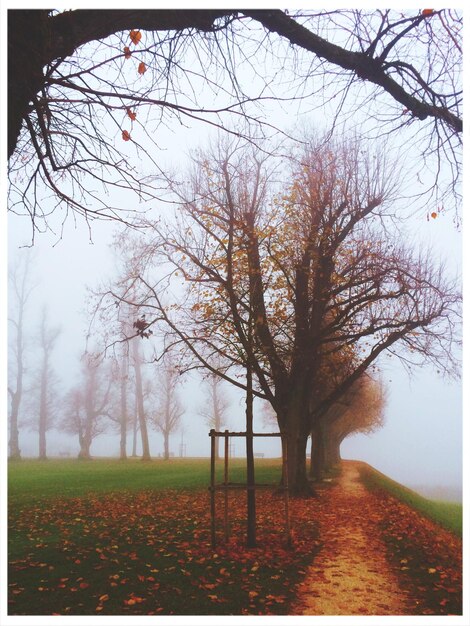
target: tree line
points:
(121, 393)
(291, 269)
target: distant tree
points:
(119, 413)
(122, 328)
(87, 405)
(46, 407)
(214, 409)
(21, 287)
(141, 414)
(360, 410)
(167, 416)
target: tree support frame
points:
(227, 486)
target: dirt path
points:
(350, 575)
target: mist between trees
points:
(292, 268)
(282, 258)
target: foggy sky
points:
(421, 442)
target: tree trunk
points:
(297, 462)
(85, 445)
(124, 416)
(250, 463)
(16, 396)
(14, 445)
(333, 457)
(325, 452)
(295, 422)
(42, 425)
(85, 437)
(123, 442)
(318, 451)
(134, 431)
(166, 445)
(42, 441)
(140, 403)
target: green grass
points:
(446, 514)
(30, 480)
(132, 538)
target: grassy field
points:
(29, 480)
(132, 538)
(446, 514)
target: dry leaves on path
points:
(379, 557)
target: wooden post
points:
(285, 484)
(212, 487)
(250, 462)
(226, 442)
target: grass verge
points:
(446, 514)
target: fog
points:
(420, 444)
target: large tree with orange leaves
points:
(291, 277)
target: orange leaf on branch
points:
(427, 12)
(125, 135)
(142, 68)
(135, 36)
(127, 52)
(434, 215)
(131, 114)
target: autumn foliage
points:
(306, 265)
(149, 553)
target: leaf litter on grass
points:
(150, 553)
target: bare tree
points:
(119, 413)
(21, 286)
(87, 404)
(167, 416)
(80, 79)
(214, 409)
(313, 271)
(139, 398)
